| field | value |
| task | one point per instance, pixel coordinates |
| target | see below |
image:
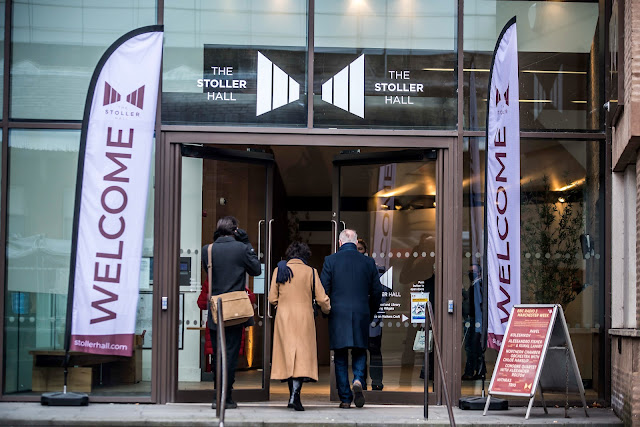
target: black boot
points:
(229, 403)
(290, 384)
(297, 387)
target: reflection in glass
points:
(407, 79)
(558, 58)
(202, 35)
(562, 249)
(2, 9)
(39, 227)
(56, 46)
(614, 73)
(392, 208)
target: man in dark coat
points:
(232, 257)
(351, 281)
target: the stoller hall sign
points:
(268, 85)
(377, 87)
(111, 194)
(240, 85)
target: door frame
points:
(167, 235)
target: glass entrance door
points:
(389, 199)
(217, 182)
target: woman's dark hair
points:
(298, 250)
(364, 245)
(226, 226)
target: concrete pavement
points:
(275, 414)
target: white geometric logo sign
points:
(275, 87)
(346, 89)
(387, 278)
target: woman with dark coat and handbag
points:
(232, 257)
(295, 358)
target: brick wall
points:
(637, 241)
(625, 350)
(625, 379)
(626, 132)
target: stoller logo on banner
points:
(345, 90)
(111, 194)
(111, 96)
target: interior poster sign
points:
(237, 85)
(419, 306)
(522, 353)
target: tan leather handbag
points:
(236, 306)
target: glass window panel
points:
(232, 35)
(615, 73)
(56, 46)
(562, 234)
(41, 199)
(407, 78)
(2, 8)
(559, 60)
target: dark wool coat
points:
(352, 282)
(231, 261)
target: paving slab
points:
(273, 414)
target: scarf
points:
(284, 272)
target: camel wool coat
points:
(294, 334)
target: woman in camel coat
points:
(295, 358)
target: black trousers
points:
(233, 335)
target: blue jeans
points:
(358, 366)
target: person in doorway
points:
(295, 358)
(232, 257)
(475, 367)
(352, 282)
(375, 333)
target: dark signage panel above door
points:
(383, 88)
(243, 86)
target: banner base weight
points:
(475, 403)
(64, 399)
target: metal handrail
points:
(221, 367)
(436, 348)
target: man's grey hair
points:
(348, 236)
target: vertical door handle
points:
(259, 237)
(269, 241)
(335, 234)
(344, 225)
(258, 310)
(260, 255)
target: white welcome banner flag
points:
(111, 194)
(502, 195)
